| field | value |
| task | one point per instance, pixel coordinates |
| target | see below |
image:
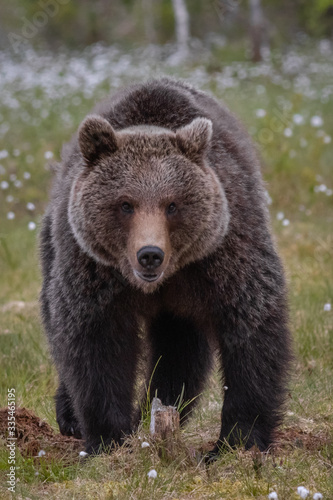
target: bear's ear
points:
(96, 138)
(194, 138)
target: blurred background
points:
(75, 24)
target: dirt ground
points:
(34, 435)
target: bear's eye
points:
(127, 207)
(172, 208)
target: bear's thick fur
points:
(158, 223)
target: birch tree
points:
(257, 26)
(182, 27)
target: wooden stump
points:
(164, 427)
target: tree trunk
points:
(182, 25)
(257, 26)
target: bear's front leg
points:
(95, 350)
(256, 355)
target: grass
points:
(294, 165)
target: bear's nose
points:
(150, 257)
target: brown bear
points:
(158, 224)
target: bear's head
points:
(145, 199)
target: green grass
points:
(292, 171)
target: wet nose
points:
(150, 257)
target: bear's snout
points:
(150, 258)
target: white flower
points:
(3, 154)
(225, 387)
(4, 185)
(152, 474)
(10, 216)
(327, 139)
(83, 454)
(316, 121)
(41, 453)
(298, 119)
(18, 184)
(317, 496)
(280, 215)
(288, 132)
(145, 444)
(260, 113)
(273, 496)
(30, 206)
(285, 222)
(12, 177)
(327, 307)
(26, 175)
(329, 192)
(48, 155)
(320, 189)
(302, 492)
(31, 226)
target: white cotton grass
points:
(10, 216)
(145, 444)
(302, 492)
(285, 222)
(287, 132)
(298, 119)
(317, 496)
(327, 307)
(83, 454)
(32, 226)
(48, 155)
(30, 206)
(260, 113)
(273, 496)
(316, 121)
(3, 154)
(321, 188)
(280, 216)
(4, 185)
(41, 453)
(152, 474)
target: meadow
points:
(286, 103)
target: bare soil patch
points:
(34, 435)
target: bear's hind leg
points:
(181, 357)
(66, 419)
